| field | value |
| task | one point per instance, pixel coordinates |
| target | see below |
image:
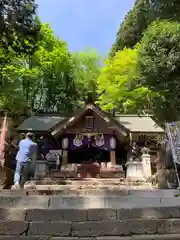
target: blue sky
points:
(85, 23)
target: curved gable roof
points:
(124, 123)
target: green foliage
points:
(138, 19)
(19, 25)
(131, 29)
(49, 80)
(57, 89)
(159, 65)
(154, 26)
(165, 9)
(40, 81)
(47, 77)
(87, 67)
(119, 80)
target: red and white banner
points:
(3, 134)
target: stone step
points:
(90, 181)
(91, 229)
(83, 187)
(81, 192)
(98, 202)
(150, 193)
(94, 193)
(133, 237)
(90, 224)
(110, 202)
(83, 215)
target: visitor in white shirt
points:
(24, 158)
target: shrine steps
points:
(51, 223)
(134, 215)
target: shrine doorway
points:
(88, 153)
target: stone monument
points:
(146, 162)
(134, 163)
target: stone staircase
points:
(136, 215)
(89, 209)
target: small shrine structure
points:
(90, 134)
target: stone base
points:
(40, 169)
(134, 169)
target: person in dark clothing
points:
(10, 152)
(42, 151)
(134, 150)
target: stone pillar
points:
(40, 169)
(134, 169)
(65, 158)
(146, 162)
(113, 157)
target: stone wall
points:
(93, 224)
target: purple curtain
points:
(91, 142)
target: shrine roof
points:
(55, 123)
(136, 123)
(40, 123)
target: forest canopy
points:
(38, 73)
(140, 17)
(142, 70)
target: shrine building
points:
(91, 133)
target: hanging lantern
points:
(65, 143)
(99, 140)
(112, 143)
(77, 141)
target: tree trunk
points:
(166, 177)
(161, 170)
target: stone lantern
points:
(146, 162)
(145, 151)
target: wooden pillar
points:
(130, 138)
(113, 157)
(65, 158)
